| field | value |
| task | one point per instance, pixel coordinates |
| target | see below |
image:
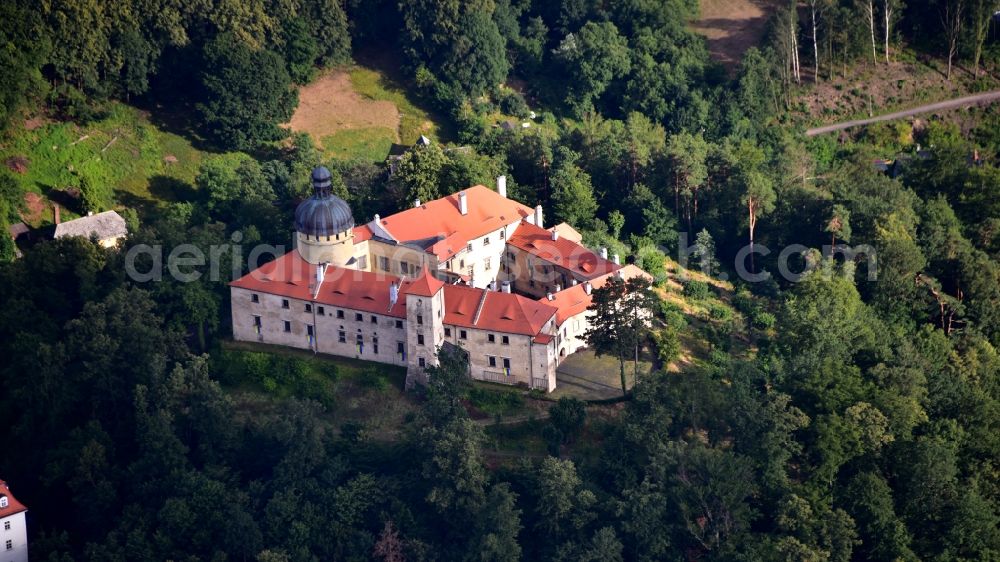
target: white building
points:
(474, 270)
(13, 530)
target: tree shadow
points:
(167, 188)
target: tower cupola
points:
(324, 224)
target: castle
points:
(475, 270)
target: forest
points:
(858, 420)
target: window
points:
(404, 267)
(284, 303)
(383, 263)
(288, 326)
(420, 339)
(506, 363)
(420, 320)
(3, 501)
(505, 340)
(309, 307)
(502, 235)
(374, 319)
(358, 316)
(461, 264)
(340, 314)
(491, 338)
(342, 336)
(420, 362)
(10, 544)
(360, 339)
(486, 241)
(375, 346)
(447, 332)
(6, 525)
(309, 330)
(486, 264)
(256, 323)
(469, 246)
(321, 310)
(399, 324)
(492, 360)
(463, 334)
(255, 298)
(363, 262)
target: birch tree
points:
(980, 17)
(868, 7)
(816, 8)
(889, 12)
(951, 21)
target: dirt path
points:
(986, 97)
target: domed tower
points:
(324, 225)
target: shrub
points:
(668, 346)
(568, 416)
(719, 311)
(762, 320)
(697, 290)
(495, 401)
(512, 102)
(743, 302)
(372, 379)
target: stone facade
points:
(399, 306)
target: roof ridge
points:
(479, 308)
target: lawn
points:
(414, 120)
(143, 163)
(370, 143)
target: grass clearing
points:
(143, 163)
(359, 112)
(414, 120)
(372, 144)
(731, 27)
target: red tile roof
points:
(574, 300)
(362, 233)
(293, 277)
(444, 230)
(562, 252)
(13, 506)
(425, 286)
(501, 312)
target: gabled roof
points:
(575, 300)
(108, 224)
(425, 286)
(497, 311)
(568, 232)
(441, 229)
(13, 506)
(293, 277)
(562, 252)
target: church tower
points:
(324, 225)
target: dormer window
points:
(3, 502)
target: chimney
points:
(615, 259)
(393, 294)
(538, 216)
(572, 282)
(555, 234)
(463, 203)
(505, 287)
(377, 219)
(416, 202)
(502, 186)
(587, 287)
(558, 288)
(90, 213)
(549, 296)
(604, 253)
(55, 213)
